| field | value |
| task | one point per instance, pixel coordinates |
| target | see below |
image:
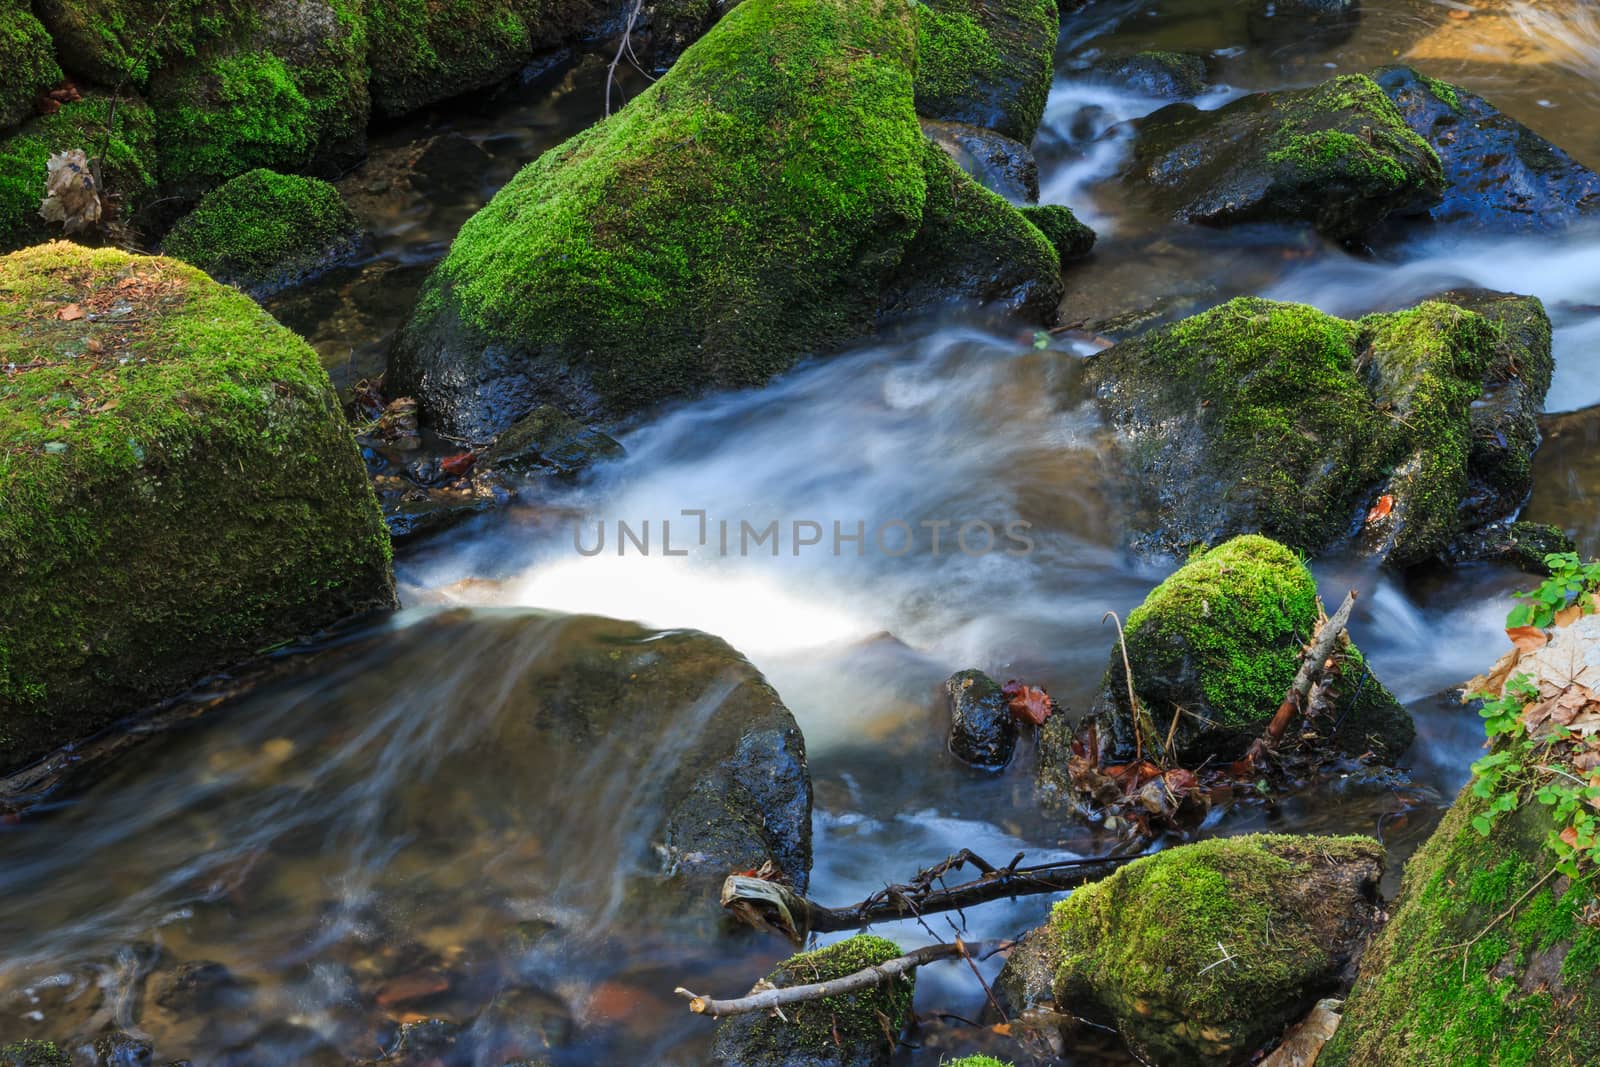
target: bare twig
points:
(1133, 701)
(771, 999)
(624, 47)
(1310, 667)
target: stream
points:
(313, 835)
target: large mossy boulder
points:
(1403, 430)
(1203, 953)
(1337, 157)
(755, 204)
(986, 63)
(27, 57)
(853, 1030)
(1487, 959)
(1499, 174)
(1222, 639)
(264, 231)
(178, 489)
(128, 167)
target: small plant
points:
(1571, 582)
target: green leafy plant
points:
(1571, 582)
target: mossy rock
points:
(978, 1061)
(751, 206)
(1283, 914)
(1484, 961)
(1222, 639)
(178, 489)
(548, 440)
(854, 1030)
(34, 1054)
(1278, 418)
(128, 171)
(986, 63)
(1337, 157)
(28, 58)
(998, 163)
(1500, 175)
(1070, 238)
(265, 231)
(117, 41)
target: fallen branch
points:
(1310, 667)
(761, 902)
(769, 998)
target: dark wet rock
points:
(1302, 23)
(211, 504)
(1222, 639)
(522, 1023)
(999, 164)
(422, 1042)
(986, 62)
(1030, 971)
(122, 1050)
(1163, 75)
(856, 1030)
(1262, 416)
(1518, 543)
(34, 1054)
(419, 514)
(1337, 157)
(549, 440)
(1070, 238)
(264, 232)
(1140, 949)
(198, 987)
(983, 731)
(1499, 175)
(680, 271)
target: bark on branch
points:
(1310, 667)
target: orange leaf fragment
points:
(70, 313)
(1382, 508)
(1027, 703)
(1527, 638)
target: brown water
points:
(322, 836)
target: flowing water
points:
(352, 842)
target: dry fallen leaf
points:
(1027, 703)
(70, 313)
(1527, 638)
(1384, 505)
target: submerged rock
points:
(986, 62)
(1306, 23)
(122, 1050)
(999, 164)
(549, 440)
(1402, 430)
(1499, 174)
(982, 729)
(855, 1030)
(1222, 639)
(1163, 75)
(28, 59)
(1202, 953)
(179, 490)
(265, 231)
(1337, 156)
(759, 202)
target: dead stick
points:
(1321, 649)
(876, 975)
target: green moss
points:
(262, 229)
(1144, 943)
(1482, 963)
(128, 172)
(978, 1061)
(230, 115)
(1070, 238)
(177, 490)
(1443, 91)
(112, 40)
(952, 49)
(425, 51)
(28, 58)
(986, 64)
(34, 1054)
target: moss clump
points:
(28, 58)
(34, 1054)
(855, 1028)
(1070, 238)
(425, 51)
(128, 171)
(264, 230)
(108, 41)
(978, 1061)
(986, 64)
(177, 490)
(1142, 946)
(1485, 961)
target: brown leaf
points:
(1382, 508)
(70, 313)
(1527, 638)
(1568, 615)
(1027, 703)
(458, 464)
(1570, 836)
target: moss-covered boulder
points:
(1402, 430)
(1222, 639)
(755, 204)
(986, 63)
(1337, 157)
(264, 231)
(1499, 174)
(1487, 959)
(1070, 238)
(27, 57)
(854, 1030)
(1202, 953)
(178, 489)
(128, 169)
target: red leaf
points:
(1384, 505)
(458, 464)
(1570, 836)
(1027, 703)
